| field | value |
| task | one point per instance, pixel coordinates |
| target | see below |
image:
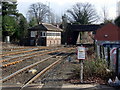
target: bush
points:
(95, 68)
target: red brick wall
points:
(108, 32)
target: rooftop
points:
(46, 27)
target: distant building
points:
(109, 33)
(45, 35)
(107, 40)
(107, 36)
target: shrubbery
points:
(93, 68)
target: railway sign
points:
(80, 53)
(81, 57)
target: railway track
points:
(25, 68)
(7, 56)
(25, 55)
(41, 73)
(33, 65)
(29, 56)
(23, 51)
(16, 48)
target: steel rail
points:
(17, 48)
(22, 51)
(42, 72)
(13, 63)
(6, 60)
(25, 68)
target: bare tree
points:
(82, 13)
(105, 16)
(39, 10)
(105, 13)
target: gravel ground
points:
(26, 75)
(59, 75)
(11, 69)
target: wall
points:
(53, 38)
(46, 38)
(109, 32)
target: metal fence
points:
(111, 55)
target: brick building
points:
(107, 40)
(45, 35)
(109, 33)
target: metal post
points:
(100, 51)
(103, 53)
(96, 51)
(81, 71)
(117, 61)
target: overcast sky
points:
(59, 6)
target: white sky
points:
(59, 6)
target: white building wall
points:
(53, 40)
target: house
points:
(107, 36)
(109, 33)
(107, 40)
(45, 35)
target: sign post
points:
(81, 71)
(81, 57)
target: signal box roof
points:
(45, 27)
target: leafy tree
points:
(21, 31)
(8, 25)
(9, 8)
(14, 24)
(39, 11)
(117, 21)
(82, 13)
(23, 25)
(9, 15)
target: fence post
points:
(103, 52)
(108, 54)
(100, 52)
(117, 61)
